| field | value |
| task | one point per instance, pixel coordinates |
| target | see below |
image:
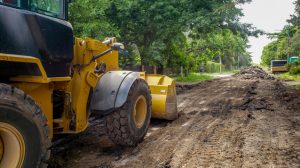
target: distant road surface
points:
(292, 83)
(221, 75)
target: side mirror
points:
(117, 46)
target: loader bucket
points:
(164, 101)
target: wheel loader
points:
(52, 82)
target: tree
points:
(295, 18)
(269, 53)
(285, 44)
(225, 44)
(89, 20)
(164, 32)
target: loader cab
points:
(53, 8)
(37, 28)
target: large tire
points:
(23, 123)
(128, 125)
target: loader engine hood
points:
(23, 32)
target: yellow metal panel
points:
(158, 105)
(80, 49)
(38, 79)
(159, 89)
(94, 45)
(27, 59)
(143, 75)
(92, 79)
(80, 89)
(163, 91)
(31, 79)
(42, 95)
(279, 69)
(111, 60)
(85, 49)
(154, 79)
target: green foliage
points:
(212, 67)
(295, 68)
(224, 44)
(286, 43)
(297, 86)
(289, 76)
(89, 19)
(295, 42)
(171, 33)
(269, 53)
(295, 19)
(49, 7)
(193, 77)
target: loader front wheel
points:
(128, 125)
(24, 140)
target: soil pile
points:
(254, 72)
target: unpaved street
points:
(228, 122)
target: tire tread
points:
(34, 113)
(117, 122)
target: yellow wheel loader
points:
(51, 82)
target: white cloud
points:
(268, 15)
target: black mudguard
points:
(112, 91)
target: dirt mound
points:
(253, 73)
(182, 87)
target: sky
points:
(267, 15)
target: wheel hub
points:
(140, 111)
(11, 139)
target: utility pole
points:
(220, 64)
(289, 43)
(181, 71)
(238, 61)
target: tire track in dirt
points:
(269, 123)
(224, 134)
(226, 122)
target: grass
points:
(194, 77)
(288, 76)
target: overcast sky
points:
(268, 15)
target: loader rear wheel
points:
(128, 126)
(12, 139)
(1, 148)
(24, 132)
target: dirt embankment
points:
(231, 122)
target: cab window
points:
(14, 3)
(54, 8)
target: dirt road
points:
(228, 122)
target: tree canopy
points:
(168, 33)
(287, 42)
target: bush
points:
(295, 67)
